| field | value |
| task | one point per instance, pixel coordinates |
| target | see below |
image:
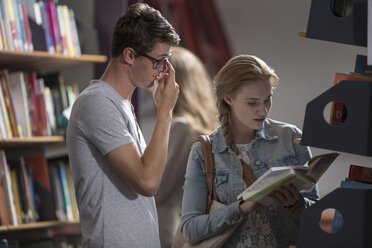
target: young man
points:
(115, 174)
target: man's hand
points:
(286, 196)
(167, 90)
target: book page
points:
(319, 164)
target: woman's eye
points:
(251, 103)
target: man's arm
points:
(144, 172)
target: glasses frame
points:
(158, 62)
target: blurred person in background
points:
(195, 113)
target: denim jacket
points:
(273, 146)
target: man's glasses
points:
(157, 62)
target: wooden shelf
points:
(44, 61)
(32, 141)
(37, 225)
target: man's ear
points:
(227, 100)
(128, 55)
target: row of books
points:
(32, 105)
(32, 190)
(362, 72)
(27, 25)
(46, 243)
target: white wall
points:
(306, 67)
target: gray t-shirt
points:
(112, 214)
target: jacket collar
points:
(219, 144)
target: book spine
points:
(361, 173)
(46, 26)
(13, 25)
(53, 23)
(27, 27)
(8, 40)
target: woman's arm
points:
(196, 224)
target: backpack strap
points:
(209, 169)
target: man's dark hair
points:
(140, 28)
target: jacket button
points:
(255, 145)
(258, 162)
(271, 210)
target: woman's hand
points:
(249, 206)
(286, 196)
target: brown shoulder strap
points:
(209, 169)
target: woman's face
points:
(251, 105)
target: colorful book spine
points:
(75, 35)
(46, 26)
(27, 27)
(13, 25)
(8, 39)
(62, 30)
(53, 25)
(67, 24)
(66, 192)
(34, 106)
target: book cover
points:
(6, 177)
(18, 91)
(338, 110)
(361, 173)
(302, 177)
(53, 24)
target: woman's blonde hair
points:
(239, 70)
(196, 99)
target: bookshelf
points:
(52, 148)
(353, 204)
(44, 61)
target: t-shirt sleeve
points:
(104, 124)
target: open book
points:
(303, 177)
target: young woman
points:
(245, 146)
